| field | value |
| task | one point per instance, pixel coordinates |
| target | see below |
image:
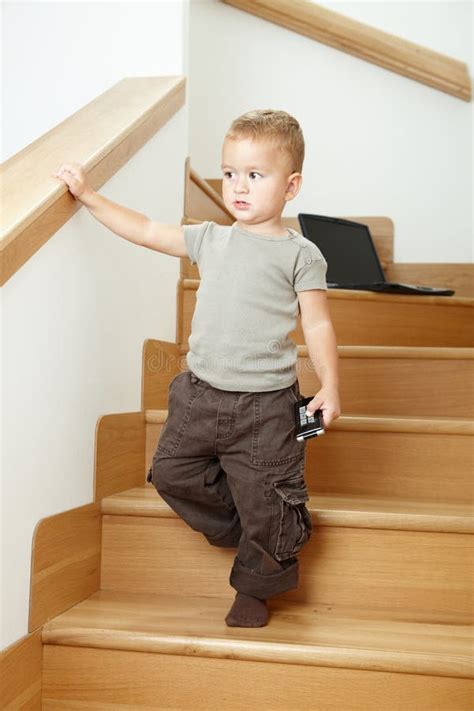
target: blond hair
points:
(278, 127)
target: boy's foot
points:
(247, 611)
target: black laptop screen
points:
(346, 246)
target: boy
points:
(228, 461)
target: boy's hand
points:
(327, 400)
(75, 178)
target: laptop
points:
(352, 260)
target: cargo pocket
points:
(294, 525)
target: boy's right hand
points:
(75, 178)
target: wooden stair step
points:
(374, 380)
(369, 318)
(414, 571)
(395, 352)
(370, 352)
(435, 424)
(389, 380)
(327, 509)
(298, 633)
(400, 457)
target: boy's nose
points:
(241, 187)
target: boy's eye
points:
(228, 173)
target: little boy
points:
(228, 461)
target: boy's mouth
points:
(241, 204)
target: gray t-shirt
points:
(247, 304)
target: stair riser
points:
(425, 574)
(376, 386)
(361, 322)
(87, 679)
(399, 386)
(402, 465)
(399, 323)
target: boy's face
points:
(257, 174)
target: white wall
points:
(58, 56)
(75, 316)
(377, 143)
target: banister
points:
(376, 46)
(102, 136)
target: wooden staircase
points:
(382, 617)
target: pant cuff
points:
(230, 538)
(247, 581)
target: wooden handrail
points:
(102, 136)
(386, 50)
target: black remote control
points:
(305, 426)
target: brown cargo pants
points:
(228, 463)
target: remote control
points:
(305, 426)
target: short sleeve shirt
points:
(247, 304)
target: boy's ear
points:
(295, 181)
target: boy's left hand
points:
(327, 400)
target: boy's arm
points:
(322, 348)
(136, 227)
(124, 222)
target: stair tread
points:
(326, 509)
(434, 424)
(297, 633)
(193, 283)
(393, 352)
